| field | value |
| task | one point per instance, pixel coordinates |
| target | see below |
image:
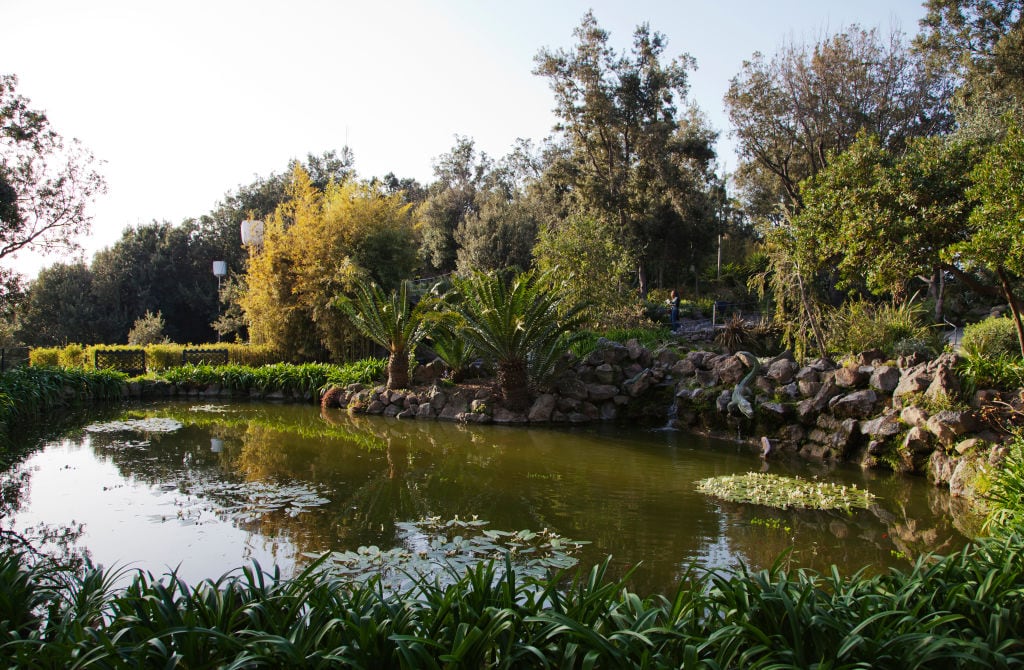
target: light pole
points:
(220, 268)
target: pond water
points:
(204, 488)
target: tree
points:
(148, 329)
(523, 327)
(318, 245)
(581, 252)
(633, 163)
(392, 322)
(882, 217)
(450, 199)
(997, 221)
(60, 307)
(46, 183)
(793, 111)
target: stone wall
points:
(869, 411)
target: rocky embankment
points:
(900, 415)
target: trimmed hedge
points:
(159, 357)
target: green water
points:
(276, 482)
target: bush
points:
(859, 325)
(43, 356)
(148, 329)
(996, 336)
(71, 356)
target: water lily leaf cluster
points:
(761, 488)
(442, 550)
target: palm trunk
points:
(398, 370)
(515, 385)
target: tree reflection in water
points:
(317, 481)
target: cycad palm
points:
(523, 327)
(390, 321)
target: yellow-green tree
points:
(318, 245)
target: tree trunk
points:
(641, 278)
(515, 385)
(1014, 307)
(398, 370)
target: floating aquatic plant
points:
(784, 492)
(443, 550)
(148, 425)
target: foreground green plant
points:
(961, 611)
(784, 492)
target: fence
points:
(721, 311)
(13, 357)
(130, 361)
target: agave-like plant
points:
(392, 322)
(523, 327)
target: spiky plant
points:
(392, 322)
(523, 327)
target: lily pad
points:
(761, 488)
(150, 425)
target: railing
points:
(204, 356)
(130, 361)
(722, 310)
(416, 288)
(13, 357)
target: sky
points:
(185, 101)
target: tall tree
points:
(997, 222)
(317, 245)
(621, 126)
(60, 308)
(46, 183)
(808, 102)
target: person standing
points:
(673, 315)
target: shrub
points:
(41, 356)
(979, 371)
(859, 325)
(148, 329)
(71, 356)
(996, 336)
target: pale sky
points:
(186, 100)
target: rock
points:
(567, 405)
(731, 370)
(870, 357)
(456, 405)
(425, 411)
(970, 444)
(884, 426)
(609, 411)
(666, 356)
(590, 410)
(375, 407)
(808, 388)
(392, 410)
(773, 411)
(940, 430)
(632, 370)
(764, 385)
(700, 359)
(684, 367)
(635, 349)
(957, 422)
(822, 365)
(910, 360)
(706, 378)
(914, 380)
(428, 373)
(941, 467)
(601, 392)
(917, 441)
(569, 386)
(850, 377)
(914, 416)
(604, 373)
(825, 394)
(808, 374)
(438, 399)
(542, 408)
(506, 416)
(805, 412)
(722, 401)
(478, 406)
(945, 384)
(858, 405)
(791, 390)
(407, 414)
(782, 371)
(885, 378)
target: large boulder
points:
(856, 405)
(782, 371)
(885, 378)
(542, 408)
(849, 377)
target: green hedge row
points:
(159, 357)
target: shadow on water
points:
(280, 482)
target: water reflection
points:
(276, 483)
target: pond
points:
(204, 488)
